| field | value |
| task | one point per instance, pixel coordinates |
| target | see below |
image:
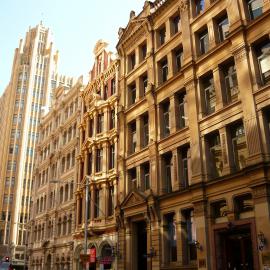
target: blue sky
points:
(76, 26)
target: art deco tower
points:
(33, 78)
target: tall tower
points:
(33, 78)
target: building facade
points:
(194, 136)
(97, 161)
(52, 216)
(33, 77)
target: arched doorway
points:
(106, 257)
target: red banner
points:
(93, 255)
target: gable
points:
(132, 199)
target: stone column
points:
(235, 18)
(94, 124)
(92, 205)
(226, 155)
(170, 64)
(179, 238)
(137, 83)
(249, 109)
(106, 119)
(211, 34)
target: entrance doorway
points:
(141, 245)
(234, 249)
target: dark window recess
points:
(178, 59)
(164, 70)
(231, 83)
(162, 35)
(143, 51)
(133, 137)
(167, 162)
(132, 175)
(219, 209)
(145, 83)
(263, 56)
(209, 95)
(132, 90)
(175, 24)
(243, 203)
(145, 130)
(166, 119)
(132, 59)
(223, 28)
(199, 6)
(203, 42)
(182, 116)
(171, 244)
(255, 8)
(145, 177)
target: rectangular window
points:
(97, 203)
(145, 130)
(112, 120)
(164, 70)
(99, 158)
(182, 115)
(175, 21)
(105, 93)
(111, 201)
(231, 83)
(255, 8)
(162, 35)
(166, 119)
(215, 155)
(263, 56)
(223, 28)
(89, 165)
(133, 137)
(239, 146)
(144, 81)
(112, 157)
(132, 61)
(132, 176)
(178, 59)
(170, 238)
(203, 42)
(167, 163)
(100, 122)
(143, 51)
(199, 6)
(145, 176)
(113, 86)
(209, 95)
(91, 127)
(132, 93)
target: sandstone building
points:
(52, 216)
(97, 160)
(33, 77)
(194, 136)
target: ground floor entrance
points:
(234, 249)
(140, 247)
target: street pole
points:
(86, 214)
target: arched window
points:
(59, 226)
(65, 225)
(41, 204)
(71, 190)
(37, 210)
(69, 223)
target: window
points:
(231, 83)
(100, 122)
(99, 160)
(189, 233)
(89, 163)
(132, 93)
(112, 120)
(112, 157)
(243, 203)
(170, 238)
(145, 176)
(91, 127)
(132, 177)
(111, 201)
(163, 70)
(199, 6)
(175, 21)
(167, 170)
(97, 203)
(178, 54)
(239, 146)
(143, 51)
(219, 209)
(105, 93)
(215, 165)
(144, 83)
(208, 94)
(165, 110)
(161, 35)
(181, 110)
(145, 130)
(184, 159)
(113, 86)
(132, 61)
(255, 8)
(223, 28)
(203, 42)
(263, 56)
(133, 137)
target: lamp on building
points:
(261, 240)
(198, 245)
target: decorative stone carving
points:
(132, 14)
(183, 5)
